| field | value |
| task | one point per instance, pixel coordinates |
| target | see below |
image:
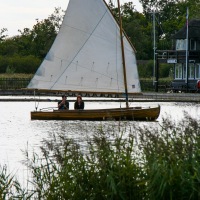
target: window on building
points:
(184, 71)
(191, 71)
(197, 71)
(181, 44)
(178, 71)
(193, 44)
(198, 44)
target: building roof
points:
(193, 30)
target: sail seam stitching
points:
(80, 48)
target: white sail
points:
(86, 54)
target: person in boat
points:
(79, 103)
(63, 104)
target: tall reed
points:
(104, 169)
(171, 156)
(10, 188)
(134, 162)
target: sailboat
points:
(91, 55)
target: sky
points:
(19, 14)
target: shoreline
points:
(13, 96)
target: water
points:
(19, 133)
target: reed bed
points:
(138, 162)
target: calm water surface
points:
(19, 133)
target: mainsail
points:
(86, 54)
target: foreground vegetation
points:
(123, 162)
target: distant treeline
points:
(24, 52)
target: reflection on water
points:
(19, 133)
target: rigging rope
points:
(36, 106)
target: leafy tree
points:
(172, 13)
(24, 42)
(43, 35)
(2, 34)
(35, 41)
(194, 8)
(149, 5)
(170, 18)
(8, 47)
(24, 52)
(136, 27)
(38, 40)
(145, 69)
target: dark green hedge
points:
(19, 64)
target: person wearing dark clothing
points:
(63, 104)
(79, 104)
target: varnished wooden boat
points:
(132, 113)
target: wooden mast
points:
(123, 56)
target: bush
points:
(19, 64)
(146, 69)
(165, 70)
(3, 64)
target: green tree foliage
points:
(38, 41)
(44, 32)
(23, 53)
(145, 69)
(19, 64)
(35, 41)
(194, 9)
(172, 13)
(2, 34)
(136, 27)
(42, 36)
(8, 47)
(170, 18)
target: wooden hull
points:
(132, 113)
